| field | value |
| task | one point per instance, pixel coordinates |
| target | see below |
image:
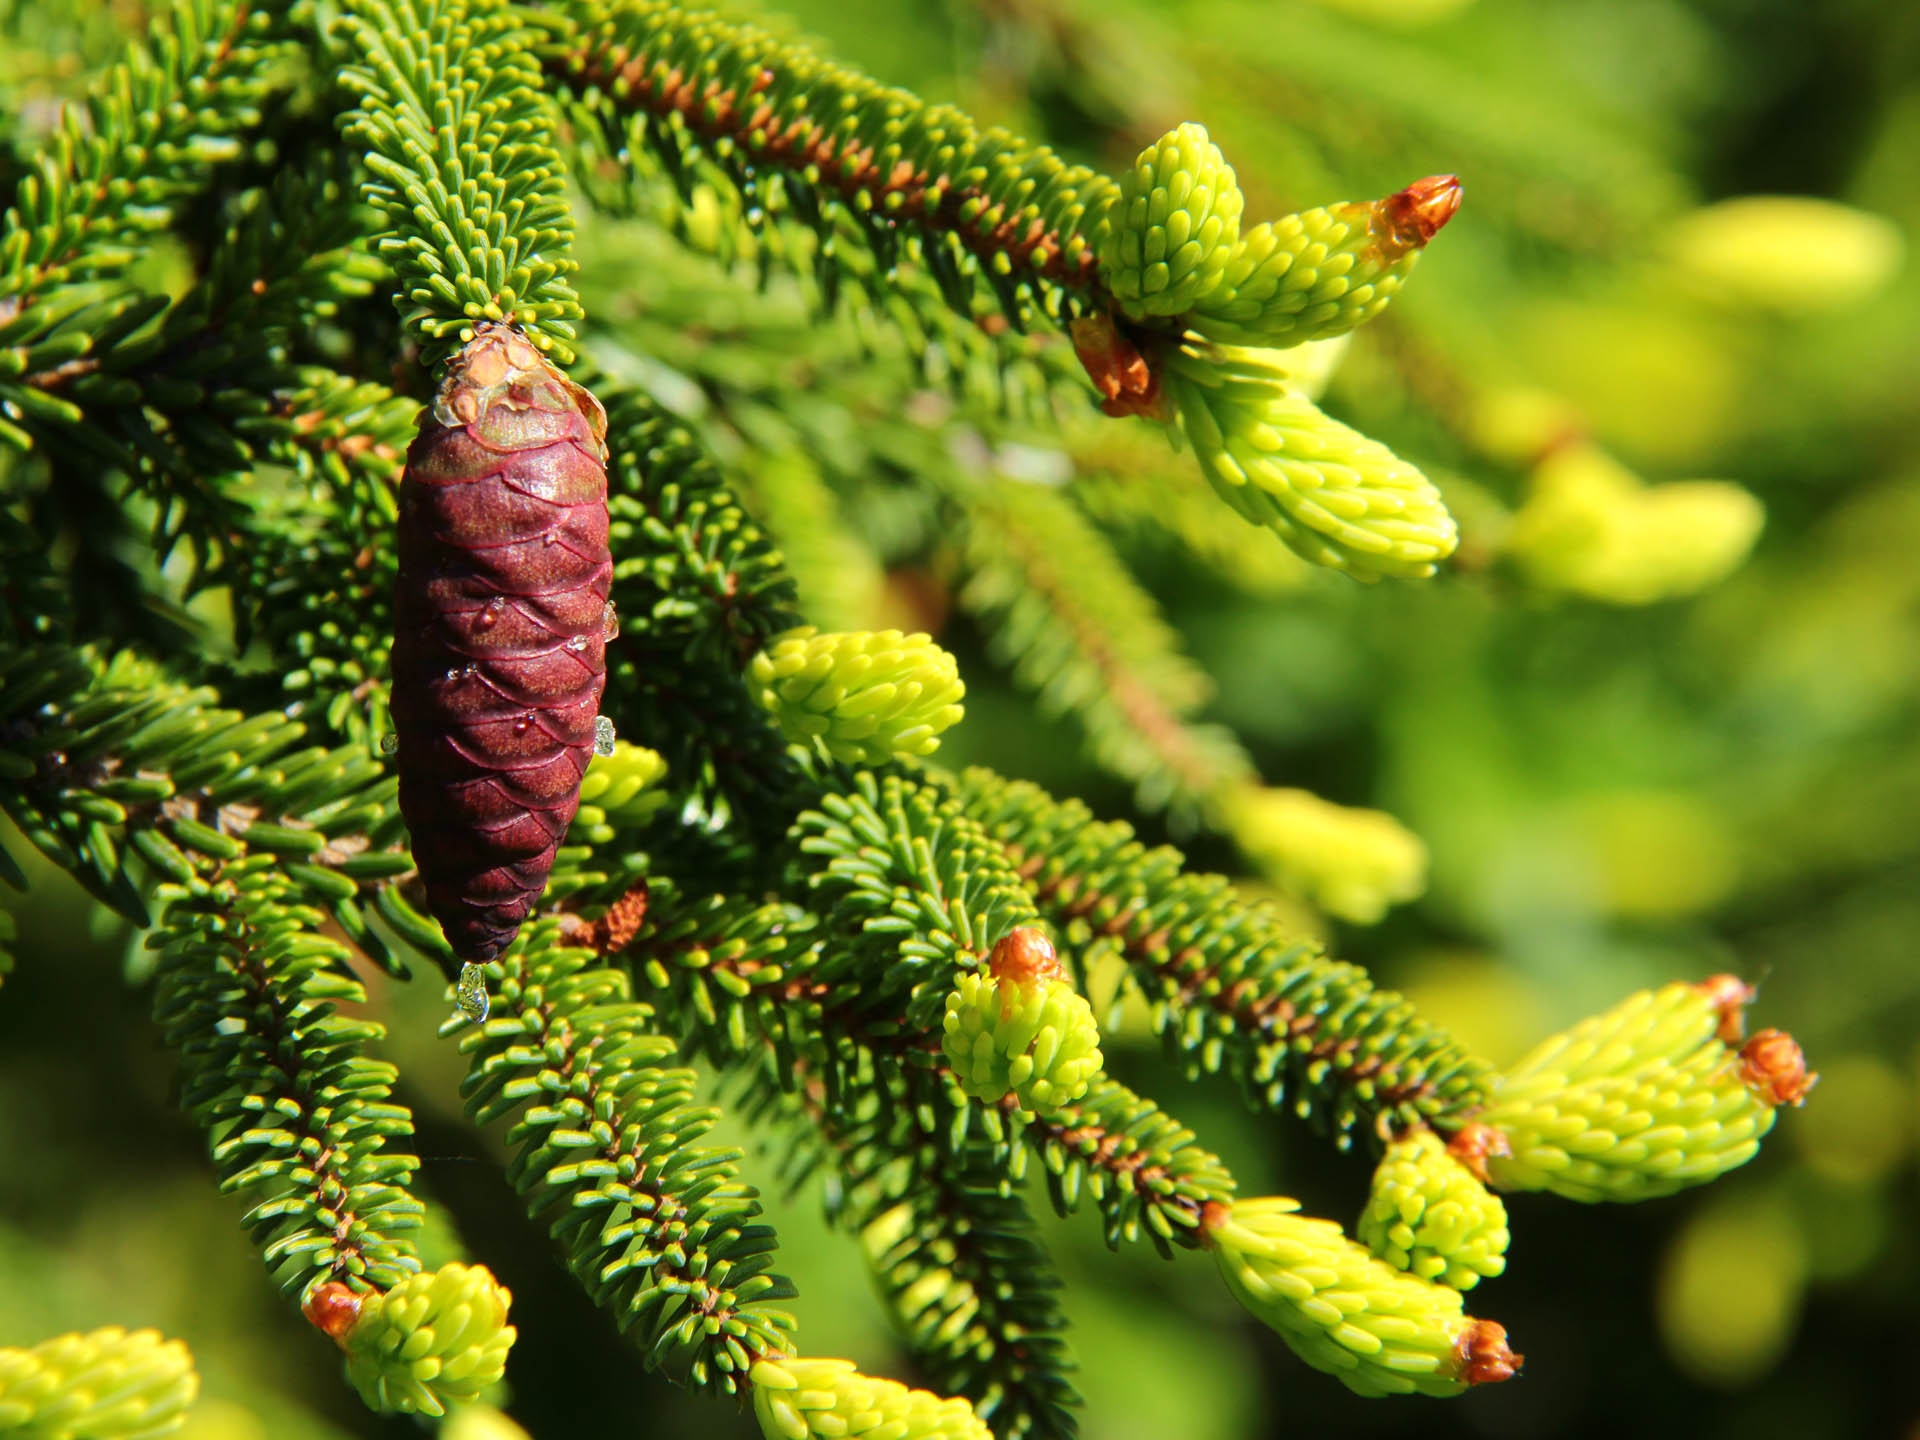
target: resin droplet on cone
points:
(499, 652)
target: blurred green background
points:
(1614, 794)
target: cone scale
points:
(499, 653)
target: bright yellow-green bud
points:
(435, 1337)
(1021, 1029)
(866, 695)
(1636, 1103)
(1351, 862)
(1787, 253)
(1591, 527)
(1380, 1330)
(1321, 272)
(1429, 1215)
(1336, 497)
(827, 1399)
(619, 790)
(481, 1422)
(107, 1384)
(1168, 238)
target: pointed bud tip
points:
(1414, 215)
(1483, 1355)
(1773, 1067)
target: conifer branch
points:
(460, 158)
(1230, 988)
(298, 1117)
(606, 1149)
(1013, 213)
(957, 1261)
(154, 126)
(1076, 628)
(116, 766)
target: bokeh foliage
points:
(1610, 794)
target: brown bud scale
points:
(1024, 956)
(332, 1308)
(1474, 1143)
(1483, 1355)
(500, 615)
(1773, 1067)
(1730, 996)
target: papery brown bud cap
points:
(1213, 1215)
(1411, 217)
(332, 1308)
(1126, 382)
(1483, 1355)
(1774, 1069)
(1730, 996)
(1024, 956)
(1474, 1143)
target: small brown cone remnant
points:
(1485, 1356)
(1121, 374)
(1774, 1069)
(499, 651)
(1473, 1144)
(331, 1308)
(1024, 956)
(1730, 996)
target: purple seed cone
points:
(500, 619)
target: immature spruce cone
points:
(500, 614)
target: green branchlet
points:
(299, 1118)
(1429, 1215)
(436, 1337)
(1379, 1330)
(110, 180)
(620, 791)
(1351, 862)
(1590, 527)
(605, 1149)
(1635, 1103)
(1231, 986)
(107, 1384)
(986, 211)
(461, 160)
(1336, 497)
(801, 1399)
(1021, 1030)
(1321, 272)
(865, 696)
(1166, 245)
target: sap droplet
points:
(459, 674)
(470, 993)
(609, 623)
(604, 736)
(389, 744)
(579, 642)
(489, 615)
(523, 723)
